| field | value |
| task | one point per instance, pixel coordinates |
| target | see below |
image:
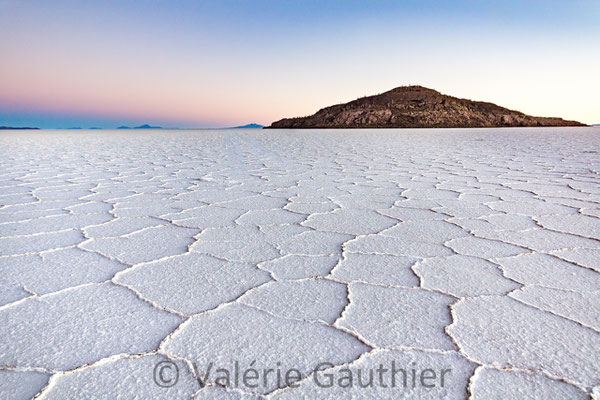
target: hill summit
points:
(417, 107)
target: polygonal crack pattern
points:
(475, 252)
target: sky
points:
(226, 63)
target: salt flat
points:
(132, 260)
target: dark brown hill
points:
(417, 107)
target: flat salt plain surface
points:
(475, 250)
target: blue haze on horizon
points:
(227, 63)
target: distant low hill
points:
(249, 126)
(20, 127)
(145, 126)
(417, 107)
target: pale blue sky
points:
(188, 63)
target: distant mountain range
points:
(417, 107)
(145, 126)
(12, 127)
(249, 126)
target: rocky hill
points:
(417, 107)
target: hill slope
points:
(417, 107)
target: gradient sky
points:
(223, 63)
